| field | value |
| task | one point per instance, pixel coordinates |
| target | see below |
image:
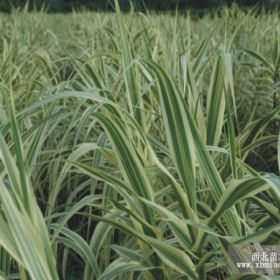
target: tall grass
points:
(137, 146)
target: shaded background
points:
(67, 5)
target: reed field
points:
(137, 145)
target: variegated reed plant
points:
(126, 148)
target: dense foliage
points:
(67, 5)
(137, 146)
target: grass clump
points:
(137, 146)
